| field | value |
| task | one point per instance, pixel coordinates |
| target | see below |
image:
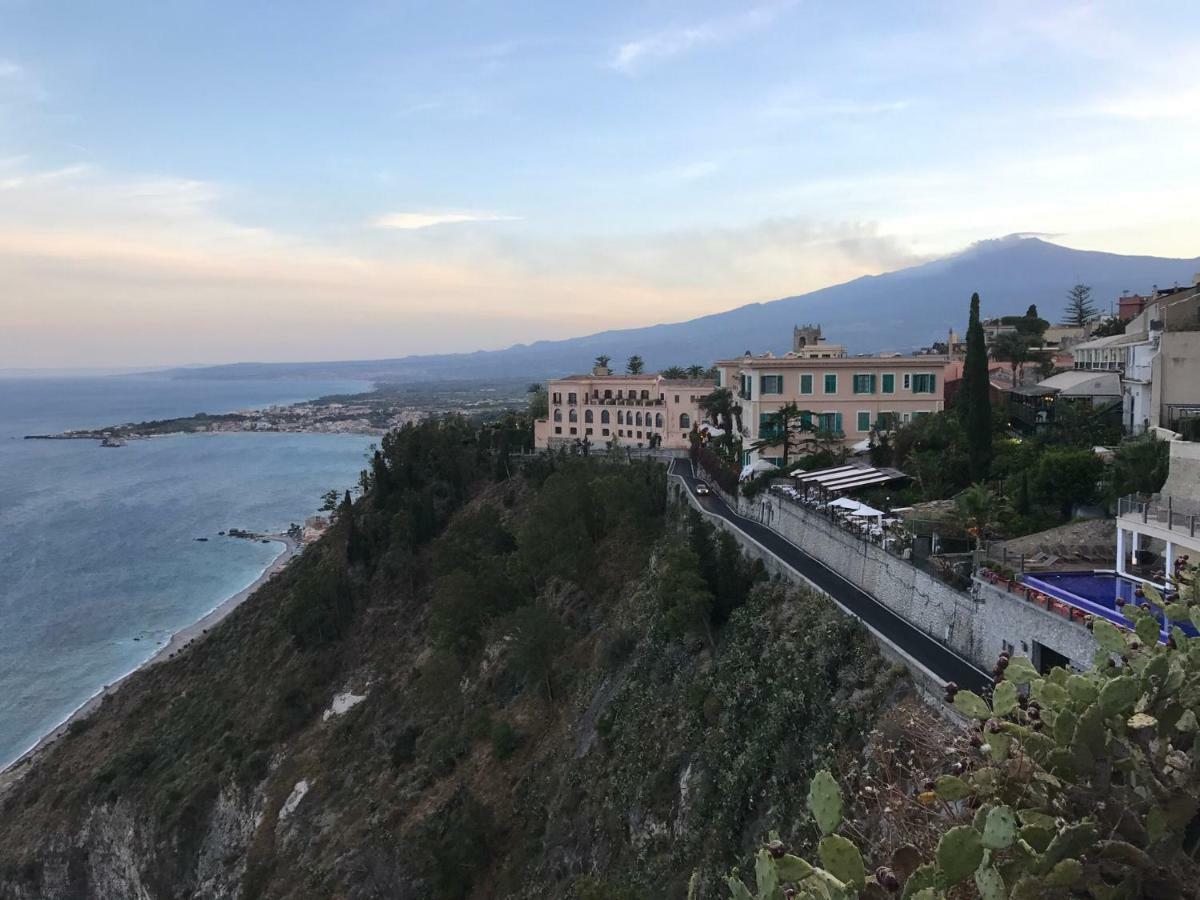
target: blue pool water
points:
(1094, 592)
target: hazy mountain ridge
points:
(900, 310)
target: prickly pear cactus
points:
(1082, 784)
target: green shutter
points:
(889, 383)
(864, 421)
(806, 384)
(837, 423)
(831, 384)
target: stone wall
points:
(978, 625)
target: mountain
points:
(900, 310)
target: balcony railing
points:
(1167, 512)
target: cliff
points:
(541, 685)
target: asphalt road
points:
(935, 656)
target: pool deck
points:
(1051, 589)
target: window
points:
(556, 397)
(720, 377)
(572, 397)
(676, 398)
(604, 418)
(587, 431)
(573, 415)
(658, 420)
(806, 420)
(604, 431)
(864, 384)
(645, 395)
(830, 383)
(607, 394)
(558, 415)
(924, 383)
(919, 415)
(886, 421)
(685, 421)
(587, 416)
(558, 430)
(907, 381)
(864, 421)
(747, 382)
(771, 384)
(830, 422)
(574, 431)
(806, 384)
(889, 383)
(638, 420)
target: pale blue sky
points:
(301, 180)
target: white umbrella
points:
(868, 511)
(847, 504)
(759, 465)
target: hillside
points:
(477, 684)
(900, 310)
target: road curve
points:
(932, 654)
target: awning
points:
(850, 477)
(759, 465)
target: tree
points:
(975, 397)
(1110, 328)
(1032, 312)
(695, 372)
(537, 637)
(1013, 348)
(977, 510)
(1139, 467)
(635, 365)
(329, 501)
(674, 373)
(1068, 477)
(602, 361)
(1080, 309)
(539, 401)
(687, 603)
(789, 427)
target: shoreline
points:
(178, 642)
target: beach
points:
(178, 643)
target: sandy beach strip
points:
(179, 642)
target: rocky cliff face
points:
(592, 748)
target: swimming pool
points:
(1094, 592)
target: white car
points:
(702, 489)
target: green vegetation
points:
(976, 403)
(1068, 785)
(555, 668)
(1080, 308)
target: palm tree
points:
(1013, 348)
(977, 509)
(695, 372)
(673, 372)
(635, 365)
(602, 361)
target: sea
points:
(99, 557)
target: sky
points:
(198, 181)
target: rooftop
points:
(789, 360)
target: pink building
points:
(840, 393)
(634, 410)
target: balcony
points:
(1175, 515)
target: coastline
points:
(179, 641)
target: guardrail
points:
(1158, 510)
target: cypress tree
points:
(976, 402)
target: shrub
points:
(505, 740)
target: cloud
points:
(632, 55)
(410, 221)
(106, 270)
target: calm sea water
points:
(98, 558)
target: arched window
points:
(604, 417)
(573, 416)
(558, 415)
(645, 395)
(658, 420)
(587, 416)
(620, 417)
(685, 421)
(638, 420)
